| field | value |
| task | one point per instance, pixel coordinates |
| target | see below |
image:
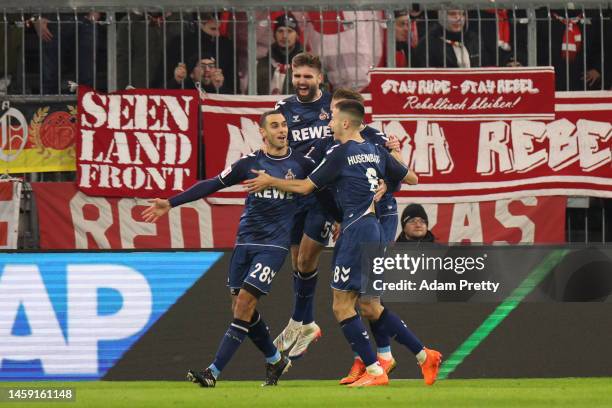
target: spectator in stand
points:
(11, 79)
(135, 27)
(211, 43)
(48, 29)
(410, 27)
(203, 75)
(274, 70)
(415, 225)
(449, 44)
(496, 29)
(574, 42)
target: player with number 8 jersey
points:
(353, 170)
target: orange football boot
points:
(369, 380)
(431, 366)
(357, 370)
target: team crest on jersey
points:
(289, 175)
(296, 119)
(323, 115)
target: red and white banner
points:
(463, 94)
(456, 160)
(10, 197)
(69, 219)
(137, 143)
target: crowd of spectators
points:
(44, 53)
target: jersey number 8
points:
(372, 178)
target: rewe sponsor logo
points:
(274, 194)
(316, 132)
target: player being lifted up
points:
(308, 113)
(261, 245)
(353, 169)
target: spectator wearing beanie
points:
(274, 70)
(415, 225)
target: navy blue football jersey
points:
(307, 121)
(387, 204)
(268, 215)
(353, 170)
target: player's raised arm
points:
(411, 178)
(396, 170)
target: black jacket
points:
(265, 69)
(437, 47)
(220, 48)
(570, 72)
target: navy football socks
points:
(397, 329)
(381, 338)
(357, 335)
(304, 286)
(232, 339)
(260, 335)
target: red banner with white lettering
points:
(69, 219)
(457, 160)
(465, 94)
(137, 143)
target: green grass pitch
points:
(564, 392)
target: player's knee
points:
(370, 310)
(307, 262)
(295, 254)
(308, 257)
(342, 311)
(244, 306)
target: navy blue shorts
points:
(254, 266)
(388, 222)
(313, 221)
(348, 262)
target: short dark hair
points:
(348, 94)
(264, 116)
(354, 109)
(307, 59)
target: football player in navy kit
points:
(308, 114)
(261, 245)
(353, 169)
(386, 211)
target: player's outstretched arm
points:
(263, 181)
(160, 207)
(157, 209)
